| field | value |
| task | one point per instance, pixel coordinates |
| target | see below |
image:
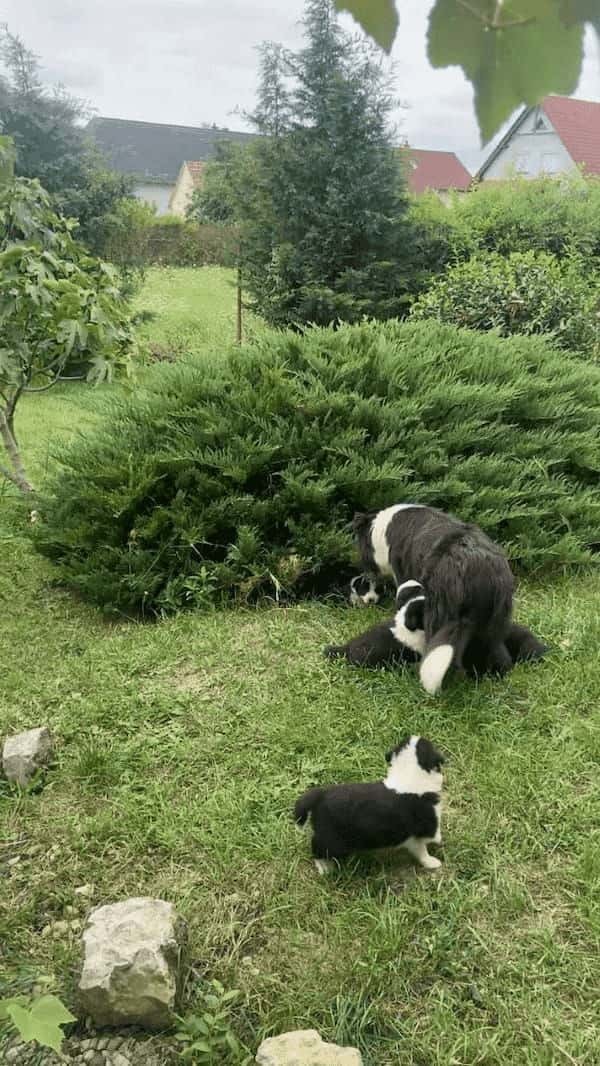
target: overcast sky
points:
(193, 62)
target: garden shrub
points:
(239, 474)
(527, 292)
(560, 215)
(437, 237)
(168, 240)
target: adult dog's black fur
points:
(468, 582)
(521, 644)
(404, 809)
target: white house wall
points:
(158, 195)
(182, 193)
(530, 152)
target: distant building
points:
(154, 154)
(556, 137)
(188, 180)
(439, 172)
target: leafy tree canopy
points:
(46, 126)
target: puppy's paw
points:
(431, 863)
(333, 651)
(324, 866)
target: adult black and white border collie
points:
(403, 810)
(398, 641)
(468, 582)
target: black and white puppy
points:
(468, 582)
(403, 810)
(398, 641)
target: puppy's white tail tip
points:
(434, 668)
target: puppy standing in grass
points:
(403, 810)
(468, 583)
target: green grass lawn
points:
(182, 746)
(193, 308)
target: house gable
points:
(531, 147)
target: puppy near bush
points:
(467, 579)
(403, 810)
(399, 641)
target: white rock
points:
(24, 753)
(305, 1048)
(132, 963)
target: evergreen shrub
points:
(526, 292)
(556, 214)
(238, 475)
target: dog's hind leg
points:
(327, 853)
(499, 660)
(417, 847)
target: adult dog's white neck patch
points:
(381, 548)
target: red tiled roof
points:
(195, 167)
(435, 170)
(577, 123)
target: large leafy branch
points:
(513, 52)
(58, 305)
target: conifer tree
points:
(320, 195)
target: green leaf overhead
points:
(573, 11)
(513, 54)
(378, 18)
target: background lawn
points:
(182, 746)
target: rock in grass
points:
(305, 1048)
(132, 963)
(25, 753)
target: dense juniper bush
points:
(238, 474)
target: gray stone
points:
(117, 1059)
(305, 1048)
(24, 753)
(132, 963)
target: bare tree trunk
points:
(18, 475)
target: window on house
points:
(550, 163)
(540, 125)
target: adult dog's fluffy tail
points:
(446, 646)
(305, 804)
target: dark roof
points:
(435, 170)
(154, 150)
(577, 123)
